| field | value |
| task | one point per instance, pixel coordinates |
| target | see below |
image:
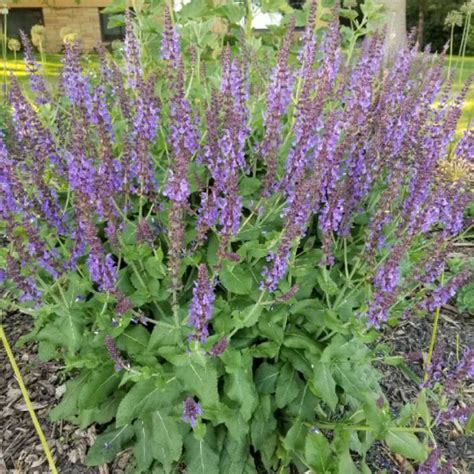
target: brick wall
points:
(83, 20)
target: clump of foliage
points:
(210, 255)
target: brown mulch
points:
(20, 448)
(21, 452)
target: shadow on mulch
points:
(21, 452)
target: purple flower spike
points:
(191, 411)
(219, 347)
(200, 311)
(132, 52)
(170, 48)
(37, 83)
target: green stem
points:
(462, 49)
(451, 48)
(433, 338)
(248, 20)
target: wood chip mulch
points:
(20, 448)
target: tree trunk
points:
(395, 20)
(421, 23)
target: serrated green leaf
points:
(236, 280)
(263, 430)
(200, 455)
(108, 445)
(287, 387)
(406, 444)
(68, 406)
(240, 388)
(144, 445)
(295, 438)
(318, 453)
(235, 457)
(345, 464)
(327, 284)
(266, 377)
(200, 381)
(101, 383)
(324, 385)
(247, 317)
(157, 438)
(164, 336)
(145, 397)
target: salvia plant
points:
(212, 269)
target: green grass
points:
(51, 68)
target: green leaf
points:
(200, 380)
(249, 185)
(235, 457)
(200, 455)
(144, 397)
(232, 12)
(157, 438)
(240, 388)
(263, 430)
(67, 407)
(406, 444)
(295, 438)
(221, 413)
(266, 377)
(327, 284)
(164, 336)
(98, 387)
(108, 445)
(248, 317)
(324, 385)
(134, 340)
(143, 449)
(318, 452)
(236, 280)
(287, 387)
(194, 9)
(345, 464)
(155, 267)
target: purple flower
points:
(452, 414)
(443, 293)
(120, 363)
(278, 99)
(432, 463)
(183, 142)
(74, 83)
(219, 347)
(145, 122)
(102, 269)
(132, 52)
(435, 369)
(26, 285)
(170, 48)
(191, 411)
(144, 233)
(123, 305)
(296, 218)
(200, 311)
(37, 83)
(462, 372)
